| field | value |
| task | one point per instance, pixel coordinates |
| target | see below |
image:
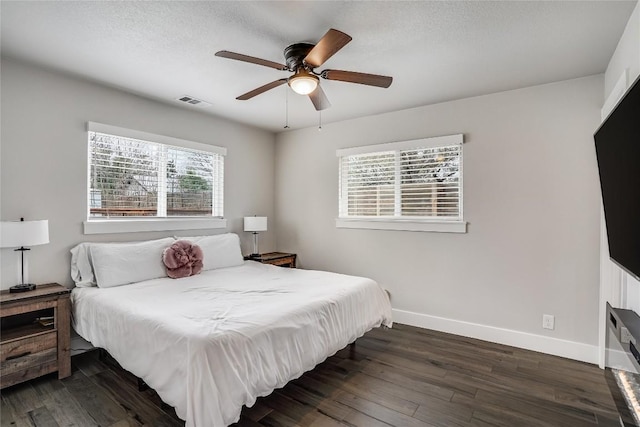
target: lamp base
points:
(22, 288)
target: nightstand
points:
(35, 334)
(281, 259)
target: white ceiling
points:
(435, 50)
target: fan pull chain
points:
(286, 107)
(319, 121)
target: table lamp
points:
(18, 234)
(255, 224)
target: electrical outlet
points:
(625, 335)
(548, 321)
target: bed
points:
(212, 342)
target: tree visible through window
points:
(136, 178)
(418, 180)
(430, 182)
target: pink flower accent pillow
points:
(182, 259)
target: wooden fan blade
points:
(319, 99)
(250, 59)
(328, 45)
(353, 77)
(261, 89)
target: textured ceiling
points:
(435, 51)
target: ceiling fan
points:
(302, 59)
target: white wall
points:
(626, 56)
(43, 161)
(531, 198)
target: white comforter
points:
(211, 343)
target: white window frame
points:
(406, 223)
(131, 225)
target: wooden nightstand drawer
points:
(27, 367)
(35, 334)
(282, 259)
(27, 358)
(11, 350)
(288, 262)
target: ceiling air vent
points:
(193, 101)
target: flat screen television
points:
(618, 153)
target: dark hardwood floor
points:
(403, 376)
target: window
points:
(409, 185)
(139, 177)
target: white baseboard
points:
(620, 359)
(557, 347)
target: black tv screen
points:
(618, 153)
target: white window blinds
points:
(408, 180)
(130, 177)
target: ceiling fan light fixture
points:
(302, 59)
(303, 82)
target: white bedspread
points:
(211, 343)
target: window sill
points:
(403, 225)
(155, 224)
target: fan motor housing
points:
(294, 54)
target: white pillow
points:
(219, 251)
(116, 264)
(81, 267)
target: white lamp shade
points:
(303, 82)
(303, 85)
(15, 234)
(255, 223)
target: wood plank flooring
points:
(403, 376)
